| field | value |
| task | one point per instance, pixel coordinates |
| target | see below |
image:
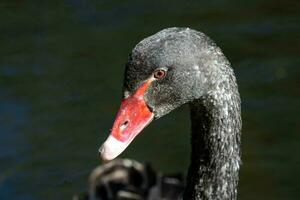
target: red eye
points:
(160, 74)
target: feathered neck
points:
(215, 140)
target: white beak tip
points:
(112, 148)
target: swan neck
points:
(215, 142)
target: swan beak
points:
(133, 116)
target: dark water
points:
(61, 67)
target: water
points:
(61, 68)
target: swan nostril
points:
(124, 124)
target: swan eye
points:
(160, 73)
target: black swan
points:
(173, 67)
(125, 179)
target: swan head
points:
(164, 71)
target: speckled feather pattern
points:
(198, 74)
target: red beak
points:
(133, 116)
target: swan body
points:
(125, 179)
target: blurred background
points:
(61, 72)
